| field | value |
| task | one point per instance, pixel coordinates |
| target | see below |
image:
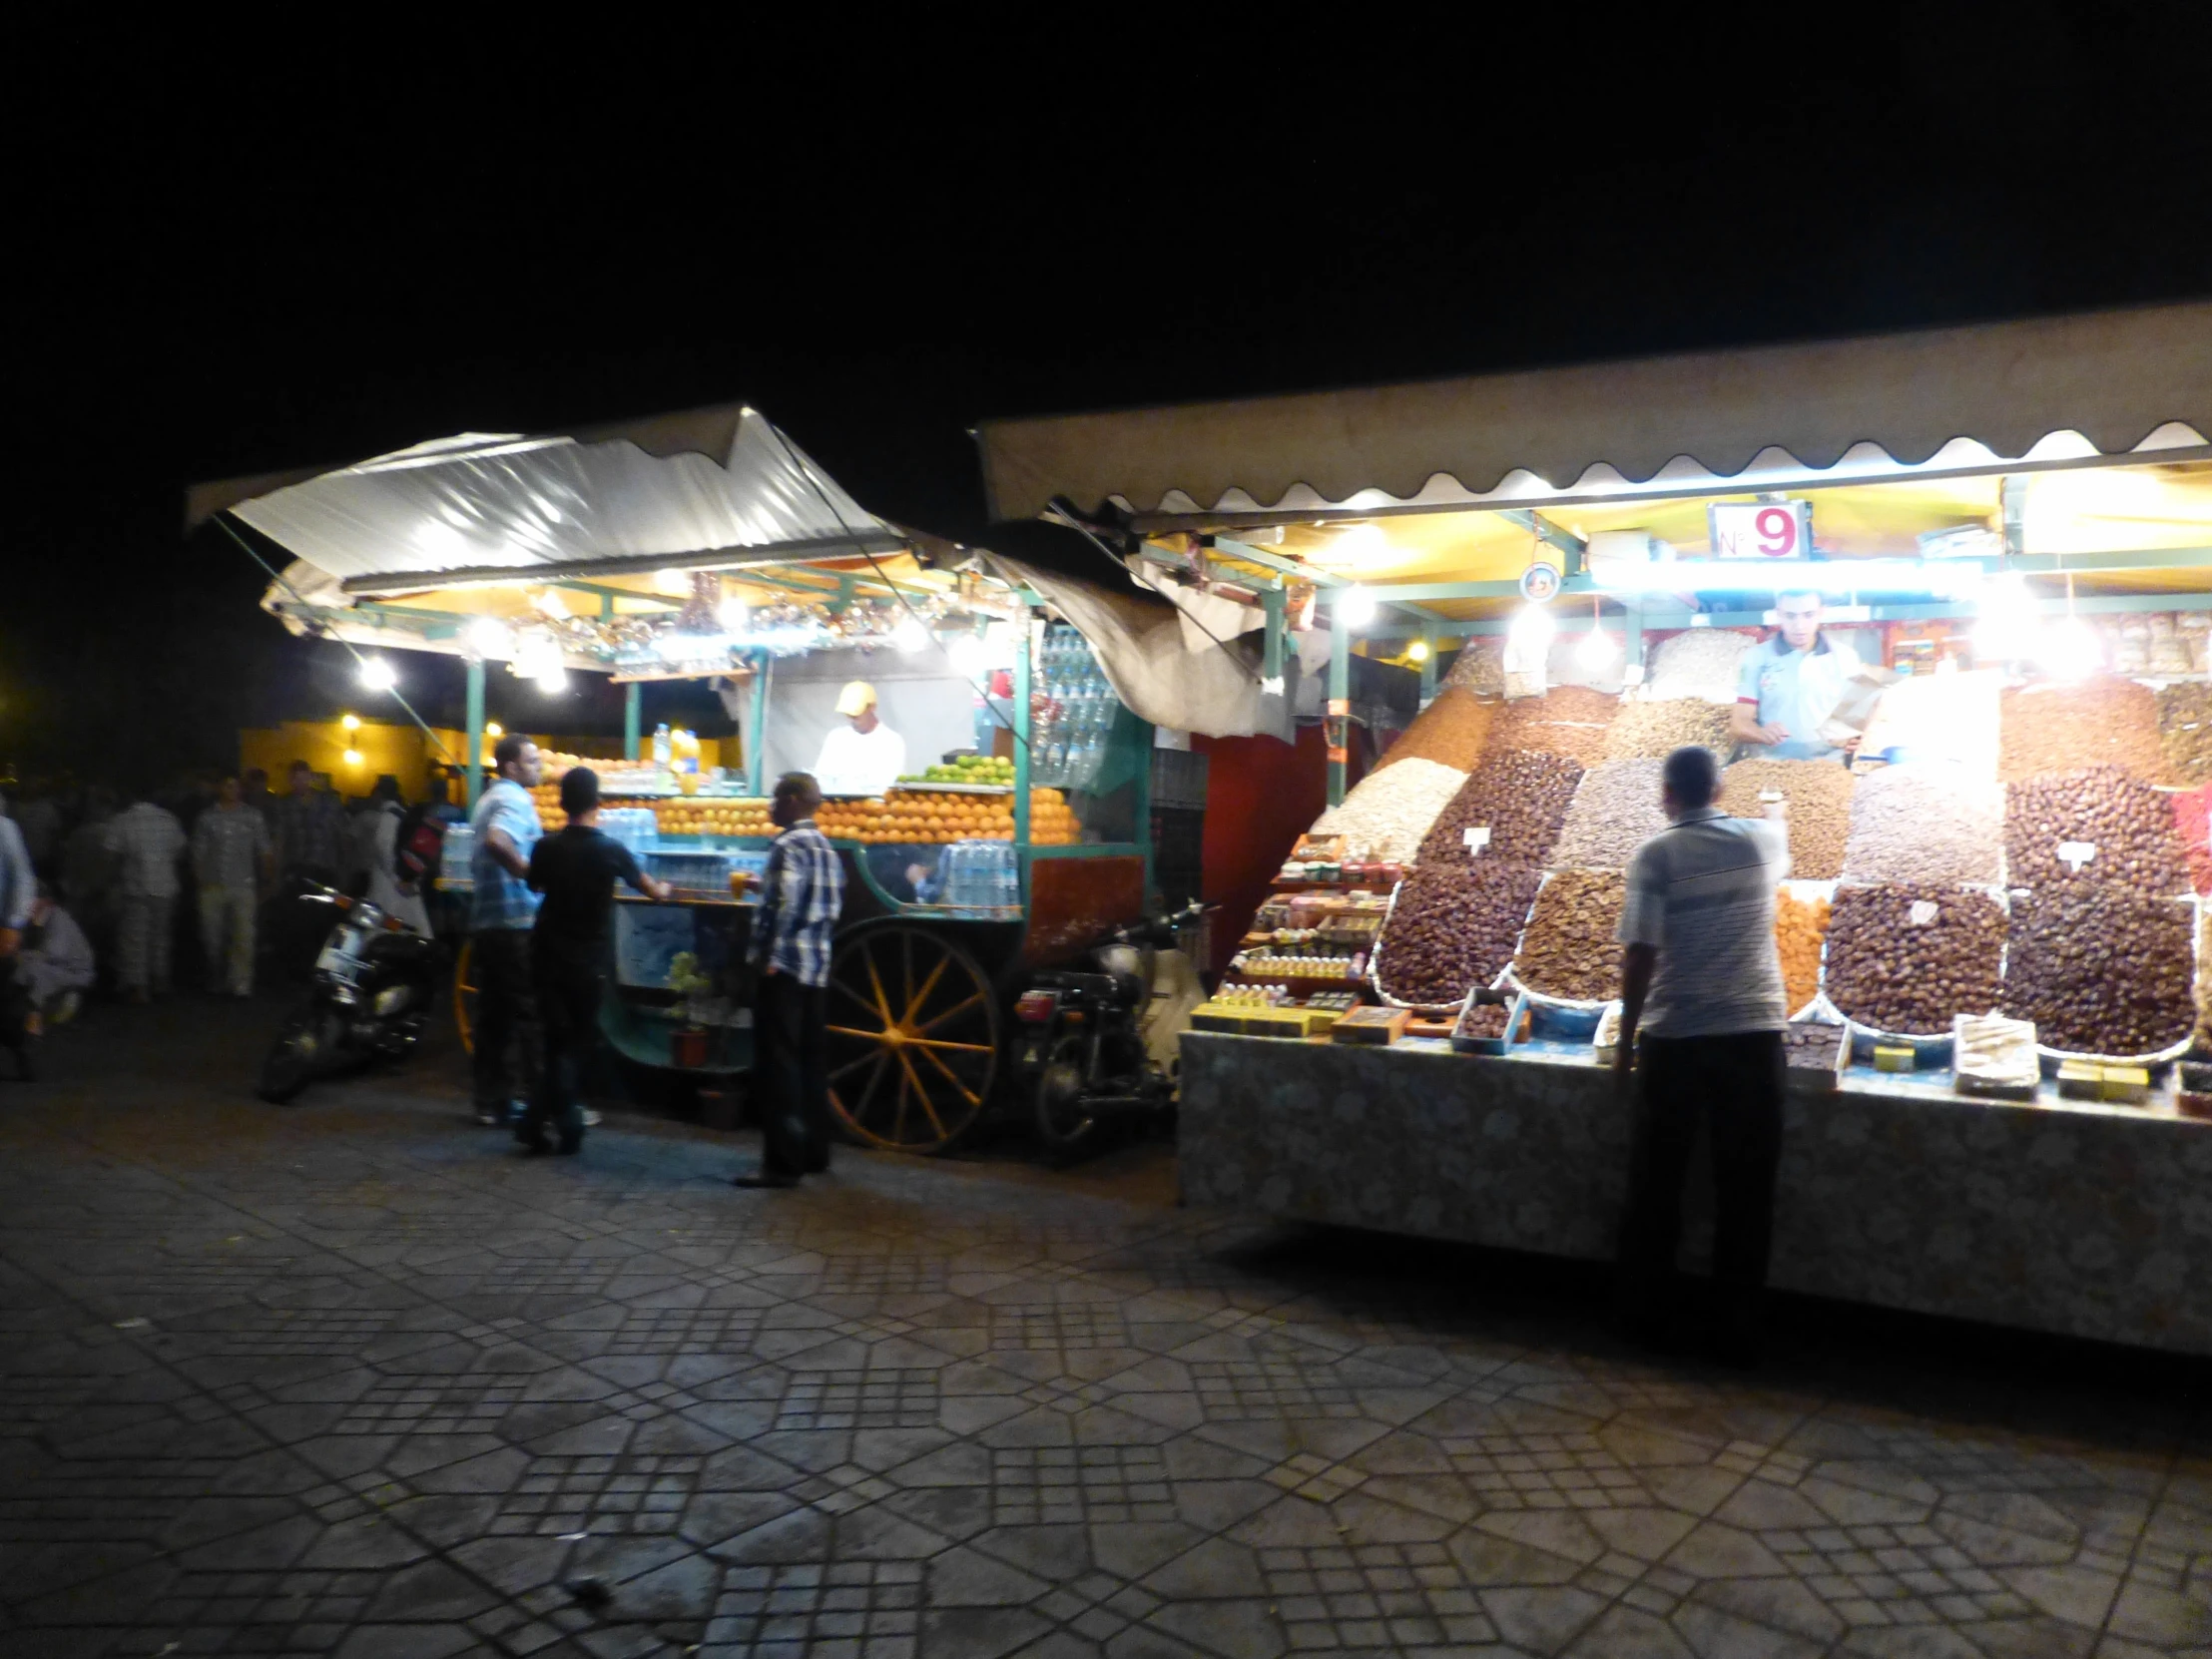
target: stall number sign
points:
(1760, 529)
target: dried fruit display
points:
(2051, 728)
(1800, 924)
(1658, 728)
(1389, 810)
(1452, 731)
(2129, 824)
(1905, 956)
(2194, 824)
(1568, 719)
(1818, 794)
(1570, 949)
(1453, 927)
(1520, 796)
(1486, 1019)
(1926, 822)
(2101, 970)
(2185, 730)
(1614, 811)
(1701, 663)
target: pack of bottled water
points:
(453, 857)
(979, 876)
(636, 827)
(1080, 710)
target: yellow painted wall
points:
(401, 751)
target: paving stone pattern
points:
(356, 1378)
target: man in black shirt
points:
(576, 870)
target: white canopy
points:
(708, 488)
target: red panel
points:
(1260, 796)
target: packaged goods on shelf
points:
(2052, 727)
(1928, 821)
(2124, 827)
(1370, 1025)
(1906, 957)
(1703, 662)
(1518, 795)
(2102, 969)
(1818, 795)
(1800, 926)
(1453, 928)
(1994, 1056)
(1570, 949)
(1389, 810)
(2185, 730)
(1569, 720)
(1452, 731)
(1811, 1046)
(1615, 809)
(1654, 729)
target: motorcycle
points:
(373, 990)
(1086, 1043)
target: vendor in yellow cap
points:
(864, 756)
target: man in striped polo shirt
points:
(1701, 995)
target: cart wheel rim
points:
(913, 1038)
(464, 996)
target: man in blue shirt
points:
(1788, 684)
(18, 892)
(502, 912)
(801, 892)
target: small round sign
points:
(1539, 583)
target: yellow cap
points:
(858, 698)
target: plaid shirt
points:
(307, 831)
(503, 900)
(150, 839)
(801, 892)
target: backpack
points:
(418, 846)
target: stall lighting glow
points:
(489, 637)
(1417, 652)
(376, 675)
(911, 635)
(2070, 649)
(551, 603)
(492, 729)
(552, 681)
(1597, 651)
(972, 657)
(1531, 631)
(2006, 630)
(1358, 544)
(733, 616)
(1940, 579)
(353, 723)
(1355, 608)
(352, 757)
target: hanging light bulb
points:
(1355, 608)
(352, 723)
(2070, 648)
(376, 674)
(733, 615)
(1417, 652)
(551, 604)
(551, 681)
(1532, 630)
(487, 636)
(492, 729)
(1599, 650)
(970, 656)
(352, 757)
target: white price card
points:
(1925, 911)
(2077, 853)
(1478, 836)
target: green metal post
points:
(633, 712)
(1142, 825)
(756, 763)
(475, 730)
(1272, 602)
(1429, 668)
(1021, 758)
(1338, 722)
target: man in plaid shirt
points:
(801, 892)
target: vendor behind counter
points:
(1790, 683)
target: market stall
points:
(1007, 714)
(2001, 1093)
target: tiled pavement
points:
(353, 1378)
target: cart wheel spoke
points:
(889, 1097)
(921, 1093)
(966, 1093)
(956, 1009)
(938, 1042)
(866, 1005)
(923, 996)
(855, 1065)
(876, 983)
(853, 1032)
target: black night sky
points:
(882, 233)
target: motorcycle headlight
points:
(392, 998)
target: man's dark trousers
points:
(791, 1065)
(506, 1017)
(1734, 1083)
(568, 985)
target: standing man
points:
(501, 912)
(575, 870)
(18, 893)
(1787, 686)
(864, 756)
(148, 841)
(1701, 977)
(801, 892)
(230, 853)
(306, 823)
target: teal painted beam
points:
(475, 730)
(1022, 756)
(633, 720)
(1339, 693)
(1273, 604)
(1564, 542)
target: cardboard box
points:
(1370, 1025)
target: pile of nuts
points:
(2101, 970)
(1799, 927)
(1699, 662)
(1810, 1047)
(2130, 823)
(1479, 667)
(1658, 728)
(2064, 728)
(1928, 824)
(1818, 794)
(1887, 971)
(1570, 949)
(1453, 927)
(1569, 720)
(2185, 730)
(1486, 1019)
(1615, 811)
(1519, 795)
(1389, 812)
(1451, 731)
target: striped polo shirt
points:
(1701, 893)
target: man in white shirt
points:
(149, 841)
(863, 757)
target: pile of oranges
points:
(912, 816)
(714, 815)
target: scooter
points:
(373, 990)
(1082, 1045)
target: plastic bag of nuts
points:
(1570, 952)
(2103, 971)
(2096, 825)
(1818, 795)
(1904, 957)
(1453, 927)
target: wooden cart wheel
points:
(464, 996)
(913, 1038)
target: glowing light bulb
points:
(492, 729)
(376, 674)
(1417, 652)
(551, 603)
(488, 637)
(1597, 651)
(353, 723)
(969, 655)
(2009, 627)
(552, 681)
(1355, 608)
(911, 635)
(1532, 628)
(352, 757)
(733, 616)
